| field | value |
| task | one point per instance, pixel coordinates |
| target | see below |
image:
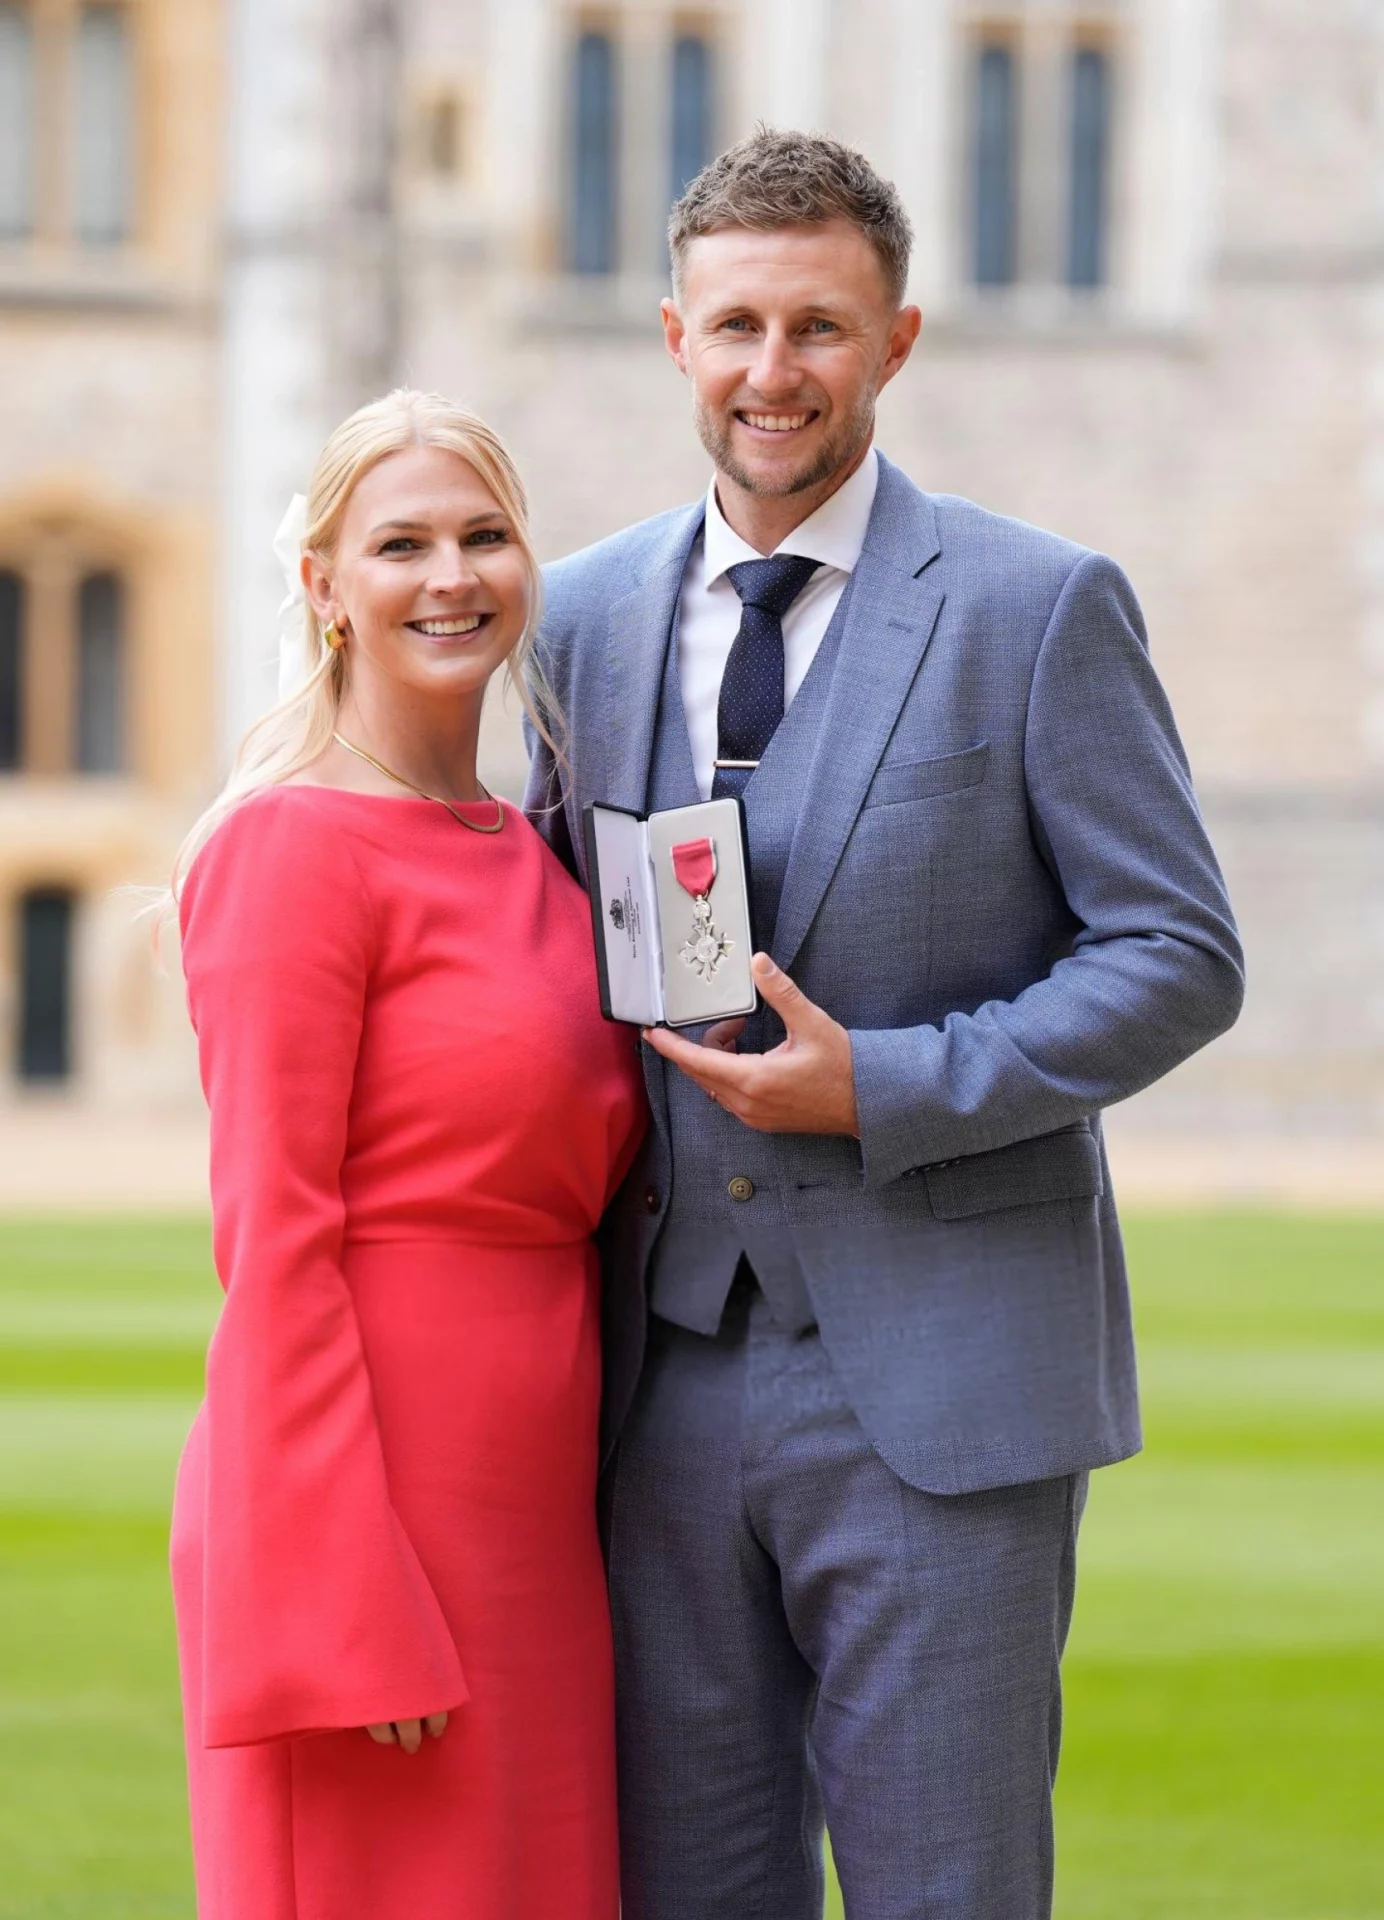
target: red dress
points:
(387, 1502)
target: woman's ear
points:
(317, 585)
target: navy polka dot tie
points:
(751, 702)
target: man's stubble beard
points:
(837, 452)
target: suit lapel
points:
(636, 648)
(637, 639)
(895, 598)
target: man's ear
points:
(903, 336)
(674, 335)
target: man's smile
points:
(775, 422)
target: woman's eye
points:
(489, 537)
(399, 545)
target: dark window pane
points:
(16, 123)
(995, 160)
(45, 984)
(11, 671)
(1090, 167)
(592, 248)
(100, 745)
(103, 126)
(693, 108)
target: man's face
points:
(787, 338)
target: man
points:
(867, 1320)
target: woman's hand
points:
(408, 1734)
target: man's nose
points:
(775, 372)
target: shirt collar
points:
(834, 534)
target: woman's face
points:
(428, 585)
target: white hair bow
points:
(294, 666)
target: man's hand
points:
(804, 1085)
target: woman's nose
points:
(453, 572)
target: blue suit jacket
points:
(999, 882)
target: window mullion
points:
(691, 107)
(645, 55)
(50, 662)
(54, 45)
(1043, 147)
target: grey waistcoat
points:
(706, 1231)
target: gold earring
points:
(333, 638)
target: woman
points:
(391, 1612)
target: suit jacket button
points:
(741, 1188)
(653, 1200)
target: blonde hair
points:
(295, 733)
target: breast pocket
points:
(900, 780)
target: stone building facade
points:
(110, 135)
(1151, 260)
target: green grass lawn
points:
(1225, 1681)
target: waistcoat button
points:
(741, 1188)
(653, 1200)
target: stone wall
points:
(1217, 424)
(109, 363)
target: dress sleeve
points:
(317, 1613)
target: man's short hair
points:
(777, 179)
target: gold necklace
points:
(390, 774)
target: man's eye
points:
(822, 326)
(736, 326)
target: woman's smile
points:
(453, 627)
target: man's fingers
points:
(785, 996)
(714, 1071)
(723, 1035)
(436, 1724)
(382, 1732)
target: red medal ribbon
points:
(694, 867)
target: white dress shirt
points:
(709, 607)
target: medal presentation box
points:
(670, 907)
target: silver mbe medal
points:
(694, 868)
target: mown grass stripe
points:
(1225, 1679)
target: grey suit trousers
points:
(800, 1634)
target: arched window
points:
(45, 984)
(996, 145)
(102, 122)
(1090, 97)
(11, 672)
(694, 81)
(100, 715)
(16, 123)
(594, 158)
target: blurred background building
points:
(1150, 251)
